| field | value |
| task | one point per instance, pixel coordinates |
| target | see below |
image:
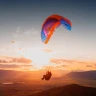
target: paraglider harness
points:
(47, 76)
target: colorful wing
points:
(50, 24)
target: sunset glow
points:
(39, 57)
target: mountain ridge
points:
(68, 90)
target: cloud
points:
(47, 50)
(55, 67)
(15, 66)
(49, 67)
(89, 66)
(15, 60)
(61, 67)
(21, 60)
(62, 61)
(13, 63)
(64, 66)
(73, 64)
(95, 65)
(31, 33)
(18, 33)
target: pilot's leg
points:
(43, 77)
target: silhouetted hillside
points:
(68, 90)
(82, 75)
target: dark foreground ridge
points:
(68, 90)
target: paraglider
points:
(51, 23)
(48, 27)
(47, 76)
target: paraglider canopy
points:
(51, 23)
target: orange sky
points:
(44, 60)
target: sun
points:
(39, 58)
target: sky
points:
(21, 22)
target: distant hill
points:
(82, 75)
(68, 90)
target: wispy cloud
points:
(15, 60)
(47, 50)
(31, 33)
(95, 65)
(61, 67)
(89, 66)
(13, 63)
(16, 67)
(56, 67)
(60, 61)
(73, 64)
